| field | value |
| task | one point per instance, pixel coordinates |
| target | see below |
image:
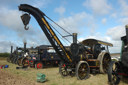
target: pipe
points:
(11, 49)
(74, 37)
(126, 27)
(25, 46)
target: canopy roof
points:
(90, 42)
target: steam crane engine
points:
(71, 63)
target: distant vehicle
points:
(115, 59)
(43, 56)
(18, 56)
(39, 57)
(119, 69)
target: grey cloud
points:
(78, 23)
(36, 3)
(60, 10)
(124, 20)
(104, 20)
(116, 32)
(5, 46)
(98, 7)
(124, 7)
(11, 23)
(10, 19)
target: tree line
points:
(4, 54)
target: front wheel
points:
(82, 70)
(63, 70)
(113, 77)
(19, 61)
(8, 58)
(25, 62)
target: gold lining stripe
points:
(56, 38)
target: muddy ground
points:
(9, 79)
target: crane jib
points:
(56, 39)
(48, 31)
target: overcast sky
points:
(100, 19)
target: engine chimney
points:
(11, 49)
(74, 37)
(16, 50)
(25, 46)
(126, 27)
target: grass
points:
(54, 78)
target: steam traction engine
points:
(73, 61)
(13, 55)
(17, 57)
(119, 69)
(41, 57)
(23, 56)
(99, 55)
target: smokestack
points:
(11, 49)
(16, 50)
(25, 46)
(74, 37)
(126, 27)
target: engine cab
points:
(98, 54)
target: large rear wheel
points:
(104, 63)
(113, 77)
(82, 70)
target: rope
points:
(59, 33)
(61, 28)
(58, 25)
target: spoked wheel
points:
(9, 58)
(63, 70)
(113, 77)
(19, 61)
(25, 62)
(82, 70)
(38, 65)
(12, 58)
(104, 63)
(15, 60)
(31, 63)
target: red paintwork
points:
(123, 74)
(39, 65)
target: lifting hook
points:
(25, 27)
(25, 19)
